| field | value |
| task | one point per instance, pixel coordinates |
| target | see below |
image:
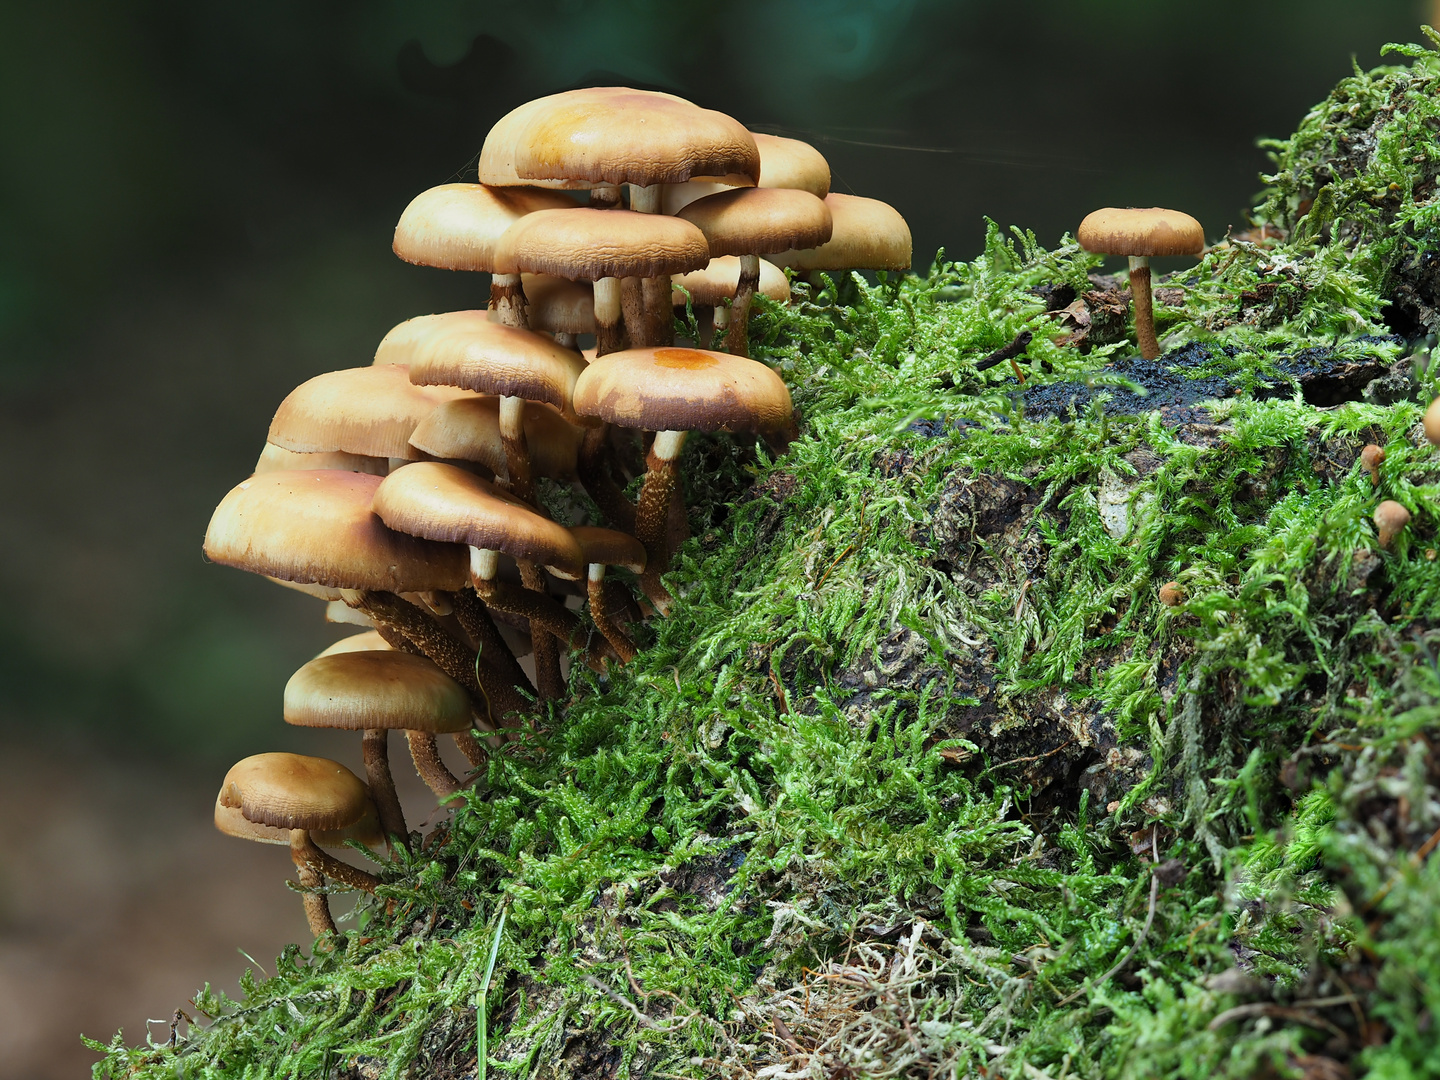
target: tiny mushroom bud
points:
(1390, 518)
(1172, 594)
(1432, 422)
(1370, 458)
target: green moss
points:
(909, 733)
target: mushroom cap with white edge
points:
(609, 547)
(867, 235)
(443, 502)
(230, 821)
(1136, 231)
(366, 641)
(273, 458)
(586, 244)
(367, 410)
(673, 389)
(469, 430)
(784, 163)
(616, 135)
(317, 528)
(760, 221)
(455, 226)
(466, 349)
(559, 305)
(295, 791)
(358, 691)
(718, 281)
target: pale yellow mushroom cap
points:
(867, 235)
(294, 791)
(389, 689)
(756, 221)
(456, 226)
(1140, 232)
(368, 641)
(671, 389)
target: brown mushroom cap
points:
(275, 458)
(784, 163)
(868, 235)
(586, 244)
(670, 389)
(616, 135)
(369, 410)
(466, 349)
(469, 430)
(1140, 232)
(756, 221)
(455, 226)
(443, 502)
(230, 821)
(293, 791)
(609, 547)
(1390, 518)
(358, 691)
(559, 305)
(497, 155)
(316, 527)
(367, 641)
(719, 280)
(1432, 422)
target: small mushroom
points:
(1172, 594)
(1371, 457)
(301, 795)
(1390, 518)
(1140, 235)
(673, 392)
(376, 692)
(1432, 423)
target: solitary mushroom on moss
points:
(1141, 234)
(301, 794)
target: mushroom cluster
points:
(406, 494)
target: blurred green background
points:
(197, 198)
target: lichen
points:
(921, 778)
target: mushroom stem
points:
(737, 340)
(550, 681)
(539, 608)
(594, 469)
(600, 614)
(657, 327)
(317, 905)
(517, 452)
(475, 620)
(633, 314)
(374, 747)
(473, 749)
(438, 778)
(651, 517)
(721, 321)
(302, 847)
(507, 300)
(608, 329)
(494, 698)
(1144, 306)
(605, 196)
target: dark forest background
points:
(196, 205)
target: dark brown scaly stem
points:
(618, 598)
(540, 609)
(594, 469)
(437, 776)
(375, 749)
(1144, 307)
(492, 701)
(661, 323)
(325, 863)
(473, 616)
(317, 905)
(547, 651)
(600, 614)
(473, 749)
(651, 526)
(737, 339)
(632, 305)
(470, 746)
